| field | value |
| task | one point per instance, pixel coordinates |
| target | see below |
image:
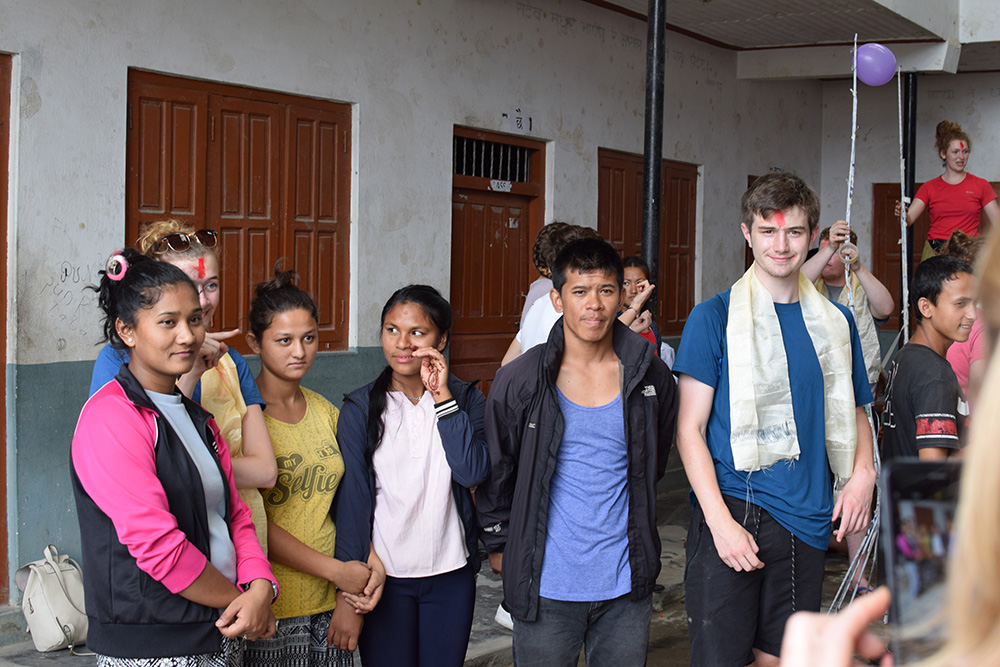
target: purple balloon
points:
(876, 64)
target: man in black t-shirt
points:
(925, 409)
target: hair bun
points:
(947, 132)
(963, 246)
(277, 295)
(947, 127)
(280, 280)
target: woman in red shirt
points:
(956, 199)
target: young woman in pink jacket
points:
(172, 566)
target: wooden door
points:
(677, 227)
(619, 221)
(318, 213)
(496, 213)
(489, 266)
(886, 260)
(244, 168)
(619, 200)
(5, 74)
(167, 133)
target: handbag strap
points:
(50, 557)
(51, 554)
(69, 631)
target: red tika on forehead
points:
(779, 218)
(201, 267)
(961, 145)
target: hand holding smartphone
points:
(919, 501)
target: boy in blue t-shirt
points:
(758, 536)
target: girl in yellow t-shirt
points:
(300, 531)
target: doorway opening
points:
(496, 212)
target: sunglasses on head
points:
(180, 242)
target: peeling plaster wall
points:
(972, 100)
(413, 70)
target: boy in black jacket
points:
(579, 431)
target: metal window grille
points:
(488, 159)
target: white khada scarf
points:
(760, 397)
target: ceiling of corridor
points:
(771, 24)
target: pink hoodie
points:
(114, 457)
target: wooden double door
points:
(269, 172)
(619, 221)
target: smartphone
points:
(919, 501)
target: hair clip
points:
(116, 267)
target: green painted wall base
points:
(49, 398)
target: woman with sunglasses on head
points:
(173, 572)
(219, 379)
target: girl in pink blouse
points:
(413, 447)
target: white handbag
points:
(53, 601)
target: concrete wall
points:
(972, 100)
(979, 21)
(413, 70)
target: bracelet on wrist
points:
(274, 588)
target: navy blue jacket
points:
(465, 450)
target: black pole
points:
(653, 141)
(910, 130)
(910, 159)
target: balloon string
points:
(850, 174)
(904, 254)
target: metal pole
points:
(910, 151)
(903, 227)
(653, 141)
